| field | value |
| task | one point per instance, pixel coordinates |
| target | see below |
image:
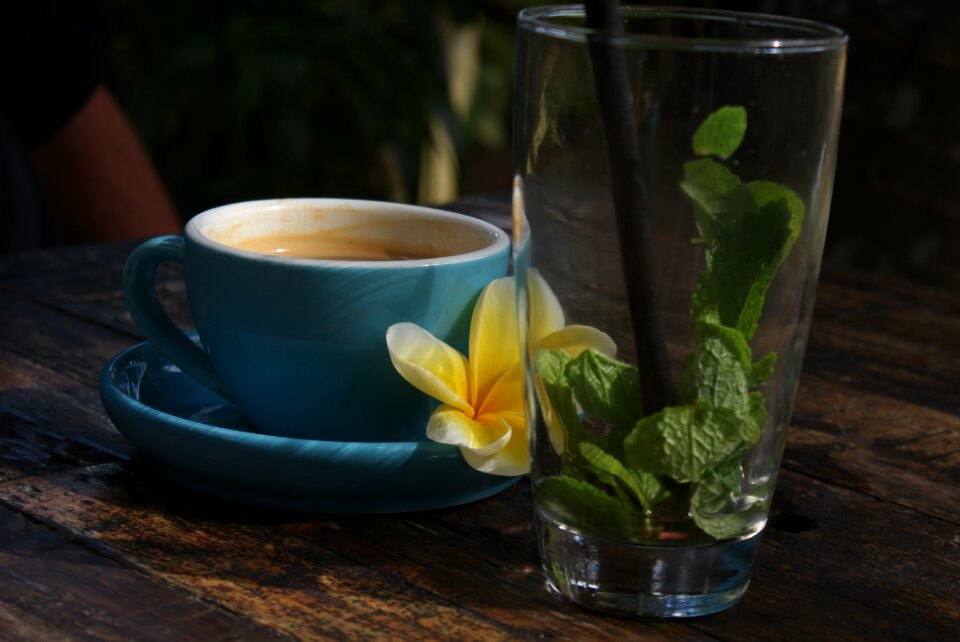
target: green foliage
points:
(717, 371)
(710, 499)
(715, 192)
(579, 502)
(746, 253)
(721, 133)
(762, 370)
(748, 228)
(551, 366)
(252, 99)
(685, 457)
(607, 389)
(686, 442)
(643, 487)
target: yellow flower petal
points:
(546, 315)
(507, 394)
(429, 364)
(484, 435)
(494, 340)
(574, 339)
(555, 431)
(511, 460)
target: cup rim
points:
(499, 241)
(800, 35)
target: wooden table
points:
(863, 541)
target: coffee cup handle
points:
(141, 296)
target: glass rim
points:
(800, 35)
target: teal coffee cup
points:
(292, 300)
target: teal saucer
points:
(201, 441)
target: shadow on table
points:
(481, 555)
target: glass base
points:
(638, 580)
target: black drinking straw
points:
(623, 152)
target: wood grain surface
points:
(863, 541)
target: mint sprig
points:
(624, 468)
(686, 442)
(642, 486)
(606, 389)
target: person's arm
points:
(101, 182)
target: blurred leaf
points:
(252, 98)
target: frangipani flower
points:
(482, 409)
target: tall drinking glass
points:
(672, 189)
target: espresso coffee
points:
(332, 247)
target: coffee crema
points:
(329, 247)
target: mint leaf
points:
(551, 365)
(645, 487)
(718, 504)
(707, 182)
(708, 326)
(745, 255)
(607, 389)
(714, 377)
(758, 410)
(721, 133)
(719, 525)
(766, 192)
(717, 193)
(720, 486)
(582, 505)
(683, 442)
(713, 498)
(762, 370)
(716, 373)
(551, 368)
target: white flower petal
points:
(546, 315)
(429, 364)
(574, 339)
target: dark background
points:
(251, 99)
(896, 202)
